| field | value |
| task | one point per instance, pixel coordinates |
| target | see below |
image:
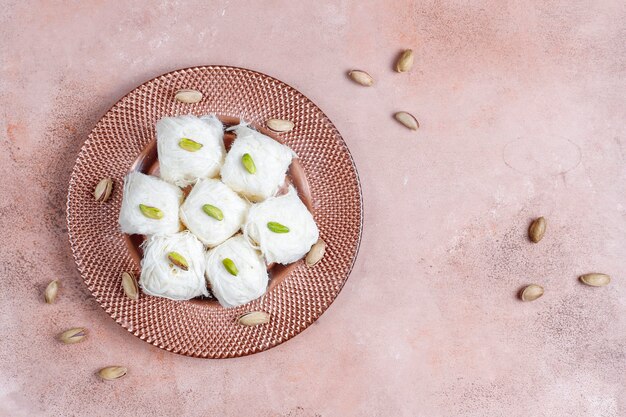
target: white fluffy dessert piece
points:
(149, 191)
(251, 280)
(286, 210)
(183, 165)
(210, 229)
(271, 160)
(162, 278)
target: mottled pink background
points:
(522, 107)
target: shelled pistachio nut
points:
(151, 212)
(178, 260)
(248, 163)
(213, 211)
(230, 266)
(189, 145)
(277, 227)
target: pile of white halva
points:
(232, 223)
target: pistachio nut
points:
(188, 96)
(74, 335)
(213, 211)
(130, 286)
(178, 260)
(102, 192)
(111, 373)
(230, 266)
(407, 119)
(361, 77)
(151, 212)
(277, 227)
(52, 289)
(537, 229)
(595, 279)
(254, 318)
(248, 163)
(316, 253)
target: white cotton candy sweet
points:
(182, 167)
(153, 192)
(206, 228)
(288, 210)
(270, 158)
(161, 278)
(251, 280)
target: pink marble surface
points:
(522, 113)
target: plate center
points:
(147, 162)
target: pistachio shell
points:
(230, 266)
(531, 292)
(405, 62)
(407, 119)
(213, 211)
(316, 253)
(277, 227)
(248, 163)
(361, 77)
(537, 229)
(188, 96)
(129, 284)
(151, 212)
(111, 373)
(595, 279)
(50, 294)
(178, 260)
(102, 192)
(74, 335)
(278, 125)
(254, 318)
(189, 145)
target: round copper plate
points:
(324, 174)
